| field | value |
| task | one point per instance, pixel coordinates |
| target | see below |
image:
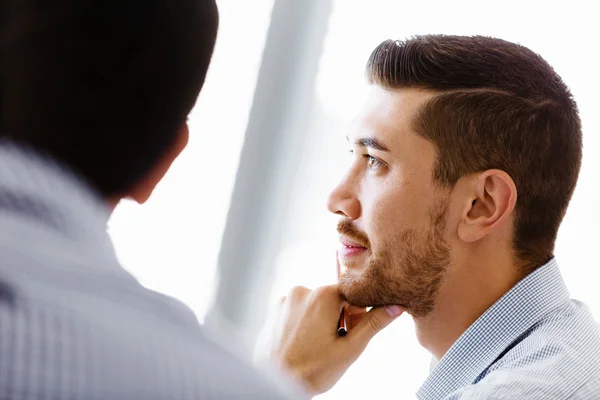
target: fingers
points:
(354, 315)
(324, 295)
(353, 320)
(328, 298)
(374, 321)
(297, 294)
(353, 310)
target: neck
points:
(469, 288)
(112, 204)
(42, 194)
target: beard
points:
(406, 270)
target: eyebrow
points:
(370, 142)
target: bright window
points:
(172, 242)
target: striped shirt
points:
(533, 343)
(74, 324)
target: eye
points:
(372, 162)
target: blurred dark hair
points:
(500, 105)
(102, 86)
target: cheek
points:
(385, 211)
(393, 209)
(456, 209)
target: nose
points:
(343, 200)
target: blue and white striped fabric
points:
(533, 343)
(74, 324)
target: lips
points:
(350, 243)
(354, 244)
(350, 249)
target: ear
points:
(491, 203)
(142, 191)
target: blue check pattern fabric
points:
(75, 325)
(533, 343)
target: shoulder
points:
(556, 359)
(589, 390)
(565, 343)
(509, 385)
(152, 339)
(233, 374)
(505, 386)
(220, 368)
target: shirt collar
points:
(37, 190)
(484, 341)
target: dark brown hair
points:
(501, 106)
(103, 87)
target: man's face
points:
(393, 221)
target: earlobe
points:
(492, 200)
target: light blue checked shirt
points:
(533, 343)
(75, 325)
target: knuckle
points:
(319, 292)
(298, 292)
(326, 291)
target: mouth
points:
(350, 248)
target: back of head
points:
(103, 87)
(499, 106)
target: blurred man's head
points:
(105, 87)
(468, 150)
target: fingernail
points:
(393, 311)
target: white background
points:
(171, 243)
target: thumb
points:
(374, 321)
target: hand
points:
(305, 341)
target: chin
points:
(355, 264)
(355, 289)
